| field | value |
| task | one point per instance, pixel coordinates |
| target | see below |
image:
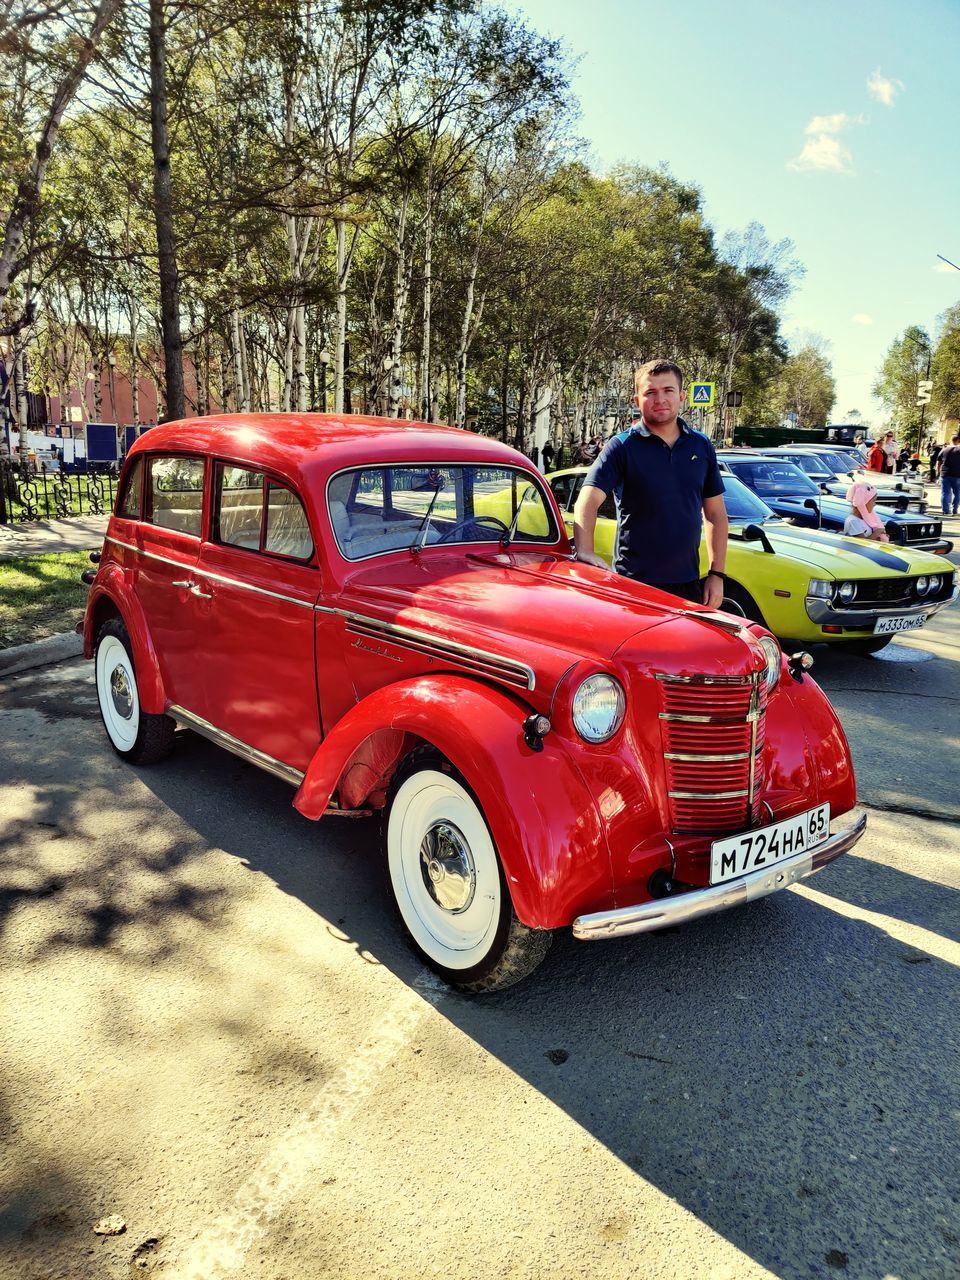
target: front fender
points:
(806, 752)
(110, 595)
(542, 817)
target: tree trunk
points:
(341, 318)
(426, 388)
(163, 211)
(134, 363)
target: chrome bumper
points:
(664, 912)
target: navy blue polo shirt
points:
(659, 492)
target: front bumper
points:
(662, 913)
(821, 611)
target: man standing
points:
(665, 479)
(950, 478)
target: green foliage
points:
(945, 366)
(905, 364)
(805, 386)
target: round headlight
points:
(771, 651)
(846, 591)
(923, 585)
(598, 708)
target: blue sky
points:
(833, 124)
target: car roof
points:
(318, 444)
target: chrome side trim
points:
(230, 743)
(477, 660)
(707, 795)
(212, 577)
(663, 913)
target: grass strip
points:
(41, 596)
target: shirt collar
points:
(642, 429)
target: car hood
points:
(531, 602)
(841, 557)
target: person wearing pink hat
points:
(863, 521)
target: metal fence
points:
(49, 495)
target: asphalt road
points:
(212, 1030)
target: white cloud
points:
(944, 266)
(832, 124)
(822, 152)
(883, 88)
(861, 318)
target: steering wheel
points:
(473, 522)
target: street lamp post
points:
(922, 400)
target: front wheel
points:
(449, 886)
(135, 735)
(873, 645)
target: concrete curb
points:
(23, 657)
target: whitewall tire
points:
(135, 735)
(449, 887)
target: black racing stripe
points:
(859, 547)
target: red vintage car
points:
(389, 616)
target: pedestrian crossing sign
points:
(701, 395)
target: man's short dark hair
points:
(653, 369)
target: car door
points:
(260, 570)
(167, 550)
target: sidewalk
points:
(79, 533)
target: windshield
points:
(408, 505)
(742, 505)
(773, 479)
(808, 462)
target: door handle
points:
(194, 589)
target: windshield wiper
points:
(417, 544)
(507, 536)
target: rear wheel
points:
(135, 735)
(449, 886)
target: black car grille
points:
(921, 532)
(893, 591)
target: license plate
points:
(739, 855)
(886, 626)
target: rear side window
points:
(240, 507)
(176, 494)
(129, 505)
(258, 514)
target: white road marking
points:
(224, 1247)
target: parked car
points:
(805, 585)
(790, 493)
(835, 478)
(551, 746)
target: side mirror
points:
(903, 503)
(812, 505)
(753, 533)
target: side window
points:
(239, 507)
(129, 504)
(562, 487)
(288, 533)
(175, 495)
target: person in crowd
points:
(949, 465)
(876, 458)
(548, 455)
(666, 481)
(932, 460)
(891, 451)
(863, 521)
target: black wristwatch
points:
(715, 573)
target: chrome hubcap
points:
(447, 867)
(121, 693)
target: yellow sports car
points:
(805, 585)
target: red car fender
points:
(110, 585)
(542, 817)
(806, 751)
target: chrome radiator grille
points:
(712, 733)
